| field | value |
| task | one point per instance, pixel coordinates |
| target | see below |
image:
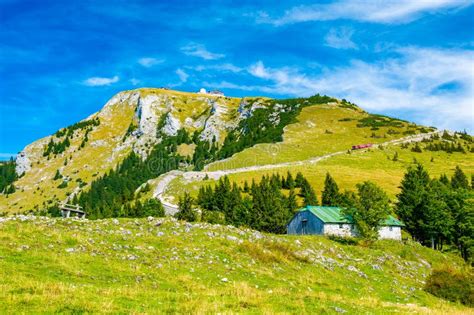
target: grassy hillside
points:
(349, 169)
(308, 138)
(320, 130)
(161, 265)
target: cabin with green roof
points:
(330, 221)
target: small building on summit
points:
(216, 93)
(212, 93)
(331, 221)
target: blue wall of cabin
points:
(313, 224)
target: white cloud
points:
(199, 50)
(225, 67)
(229, 85)
(389, 11)
(340, 38)
(100, 81)
(183, 76)
(148, 62)
(259, 70)
(434, 86)
(286, 79)
(134, 81)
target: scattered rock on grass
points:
(376, 267)
(24, 247)
(232, 238)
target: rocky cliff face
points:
(23, 163)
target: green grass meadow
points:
(163, 266)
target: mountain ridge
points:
(130, 122)
(58, 167)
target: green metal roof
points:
(334, 215)
(391, 221)
(328, 214)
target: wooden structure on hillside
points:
(67, 209)
(361, 146)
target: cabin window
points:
(340, 226)
(390, 228)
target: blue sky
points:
(60, 61)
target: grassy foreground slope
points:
(165, 266)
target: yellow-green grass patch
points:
(320, 130)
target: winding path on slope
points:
(166, 179)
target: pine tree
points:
(246, 187)
(106, 212)
(330, 195)
(411, 199)
(57, 175)
(348, 199)
(221, 199)
(292, 203)
(276, 181)
(53, 211)
(186, 211)
(436, 221)
(63, 184)
(459, 179)
(395, 156)
(447, 136)
(299, 180)
(11, 189)
(204, 198)
(417, 148)
(464, 231)
(270, 211)
(7, 174)
(234, 200)
(444, 179)
(244, 212)
(65, 145)
(308, 194)
(127, 211)
(153, 207)
(289, 182)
